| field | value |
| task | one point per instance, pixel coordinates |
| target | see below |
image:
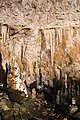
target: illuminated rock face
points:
(14, 81)
(43, 37)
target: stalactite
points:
(13, 52)
(77, 32)
(63, 33)
(38, 56)
(59, 35)
(4, 32)
(46, 35)
(50, 38)
(51, 42)
(69, 41)
(53, 45)
(71, 31)
(65, 80)
(21, 53)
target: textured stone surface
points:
(40, 14)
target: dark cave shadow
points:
(3, 73)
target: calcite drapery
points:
(39, 51)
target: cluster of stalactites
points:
(55, 36)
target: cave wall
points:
(42, 37)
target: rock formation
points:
(39, 58)
(42, 37)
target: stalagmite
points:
(4, 32)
